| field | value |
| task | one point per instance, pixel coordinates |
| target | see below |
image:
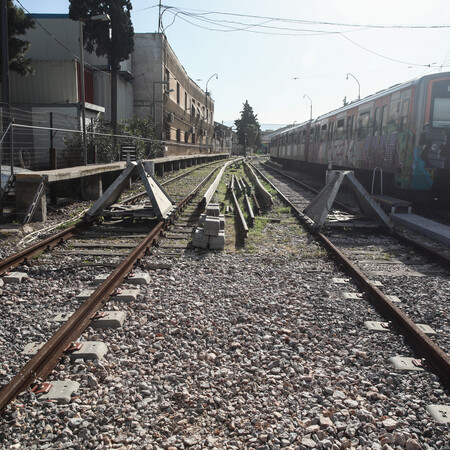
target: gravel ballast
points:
(248, 348)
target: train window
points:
(384, 119)
(323, 132)
(363, 124)
(394, 114)
(377, 121)
(340, 128)
(405, 110)
(350, 121)
(441, 112)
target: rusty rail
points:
(13, 261)
(44, 361)
(423, 248)
(420, 342)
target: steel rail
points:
(134, 197)
(13, 261)
(425, 249)
(345, 208)
(419, 341)
(45, 360)
(237, 209)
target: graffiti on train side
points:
(375, 151)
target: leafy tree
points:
(142, 128)
(141, 132)
(117, 47)
(248, 129)
(18, 24)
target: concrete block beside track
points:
(213, 209)
(14, 277)
(126, 295)
(134, 278)
(200, 239)
(107, 319)
(88, 350)
(211, 226)
(217, 242)
(60, 391)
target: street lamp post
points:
(310, 109)
(101, 17)
(359, 86)
(207, 93)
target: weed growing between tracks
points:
(274, 232)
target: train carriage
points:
(403, 130)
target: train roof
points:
(382, 93)
(292, 128)
(357, 103)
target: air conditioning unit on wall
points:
(193, 130)
(171, 118)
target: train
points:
(399, 137)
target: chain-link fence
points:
(41, 140)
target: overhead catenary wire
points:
(301, 21)
(221, 25)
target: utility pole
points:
(5, 54)
(5, 84)
(159, 17)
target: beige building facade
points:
(183, 112)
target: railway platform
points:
(30, 186)
(427, 227)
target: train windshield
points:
(440, 104)
(436, 150)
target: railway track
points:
(374, 269)
(438, 252)
(255, 346)
(119, 243)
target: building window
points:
(178, 93)
(168, 132)
(185, 101)
(193, 138)
(186, 137)
(193, 108)
(178, 135)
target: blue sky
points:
(274, 71)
